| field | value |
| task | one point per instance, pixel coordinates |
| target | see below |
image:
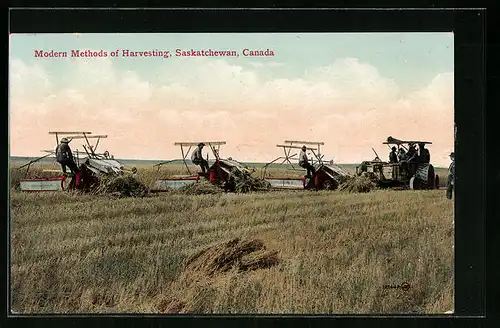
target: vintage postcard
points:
(238, 173)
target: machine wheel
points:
(415, 183)
(329, 184)
(436, 181)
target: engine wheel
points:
(425, 175)
(415, 183)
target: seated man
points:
(393, 157)
(64, 156)
(304, 162)
(198, 159)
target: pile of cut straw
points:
(124, 185)
(357, 184)
(244, 182)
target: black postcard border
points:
(470, 88)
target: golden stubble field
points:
(337, 252)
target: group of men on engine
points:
(412, 155)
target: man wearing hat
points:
(393, 156)
(304, 162)
(451, 177)
(197, 158)
(64, 156)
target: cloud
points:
(256, 64)
(275, 64)
(348, 104)
(355, 81)
(265, 64)
(27, 80)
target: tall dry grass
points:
(337, 252)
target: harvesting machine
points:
(327, 176)
(92, 167)
(221, 171)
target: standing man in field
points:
(197, 158)
(304, 162)
(451, 177)
(64, 156)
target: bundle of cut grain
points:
(360, 183)
(245, 182)
(243, 255)
(125, 185)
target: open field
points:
(337, 252)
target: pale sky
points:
(349, 90)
